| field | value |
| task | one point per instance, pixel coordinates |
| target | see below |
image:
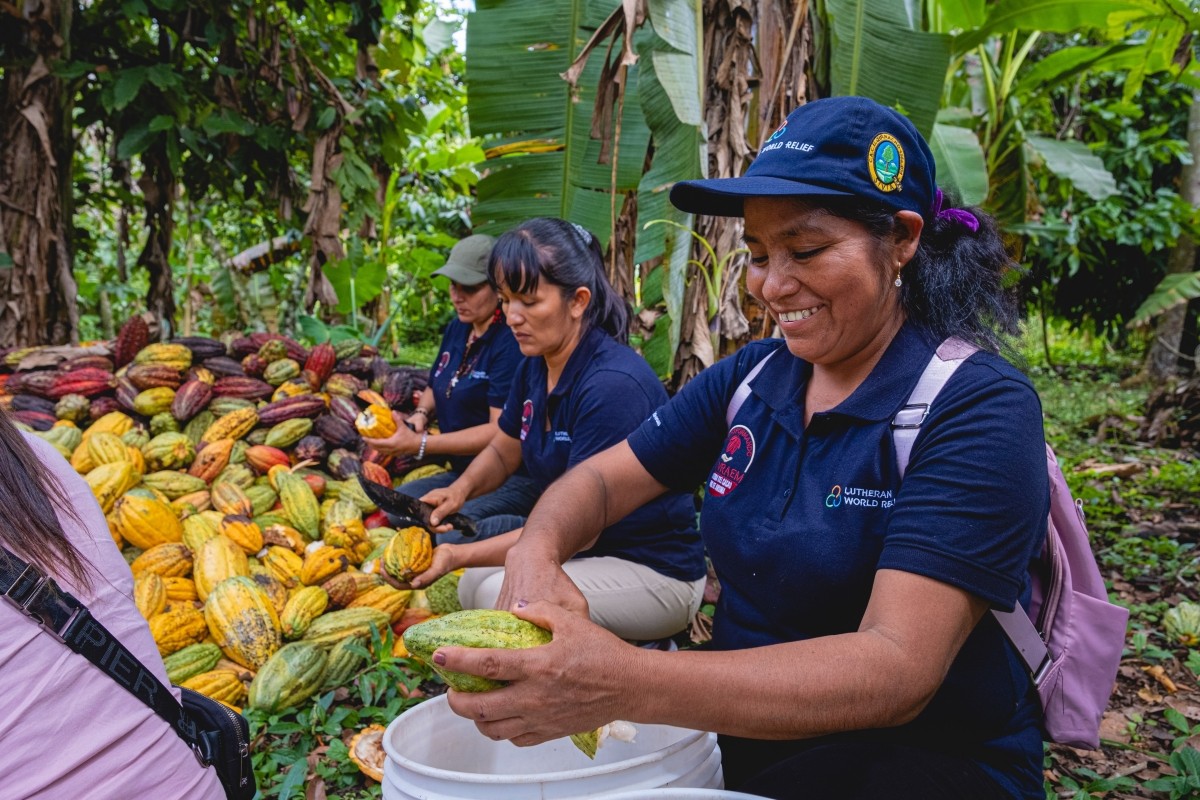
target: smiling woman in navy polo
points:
(852, 655)
(579, 391)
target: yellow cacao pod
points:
(170, 559)
(242, 622)
(306, 604)
(376, 422)
(275, 592)
(384, 598)
(175, 356)
(233, 425)
(145, 521)
(243, 532)
(229, 498)
(175, 630)
(283, 564)
(110, 481)
(219, 684)
(112, 422)
(154, 401)
(191, 504)
(180, 589)
(149, 594)
(199, 528)
(106, 448)
(409, 553)
(211, 459)
(323, 563)
(217, 560)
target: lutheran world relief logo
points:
(526, 418)
(856, 496)
(734, 462)
(441, 365)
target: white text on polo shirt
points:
(857, 496)
(562, 436)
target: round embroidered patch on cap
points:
(885, 162)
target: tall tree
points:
(36, 279)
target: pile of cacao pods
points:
(230, 475)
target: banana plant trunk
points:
(36, 280)
(1162, 360)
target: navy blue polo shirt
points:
(483, 385)
(797, 520)
(605, 391)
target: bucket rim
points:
(691, 737)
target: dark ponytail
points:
(955, 283)
(568, 256)
(29, 495)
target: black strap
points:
(36, 594)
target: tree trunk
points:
(1162, 361)
(37, 287)
(757, 63)
(158, 195)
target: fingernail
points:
(439, 659)
(521, 604)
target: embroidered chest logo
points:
(526, 418)
(856, 496)
(443, 361)
(734, 462)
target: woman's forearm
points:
(485, 553)
(596, 493)
(467, 442)
(499, 459)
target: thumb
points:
(546, 614)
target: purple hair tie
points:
(959, 215)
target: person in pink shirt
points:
(67, 730)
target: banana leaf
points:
(867, 37)
(516, 97)
(1170, 292)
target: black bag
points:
(217, 734)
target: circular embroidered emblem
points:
(885, 162)
(734, 462)
(443, 360)
(526, 418)
(779, 132)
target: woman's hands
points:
(584, 678)
(405, 441)
(533, 573)
(445, 501)
(444, 561)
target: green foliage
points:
(292, 745)
(236, 96)
(1098, 258)
(1186, 782)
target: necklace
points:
(472, 353)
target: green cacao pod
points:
(291, 676)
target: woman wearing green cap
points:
(468, 384)
(852, 653)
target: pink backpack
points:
(1074, 648)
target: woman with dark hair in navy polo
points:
(579, 391)
(468, 384)
(853, 655)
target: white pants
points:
(631, 600)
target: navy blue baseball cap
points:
(835, 147)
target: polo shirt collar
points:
(878, 398)
(588, 344)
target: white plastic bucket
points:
(683, 794)
(434, 754)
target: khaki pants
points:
(631, 600)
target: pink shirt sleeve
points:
(67, 730)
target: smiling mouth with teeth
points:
(796, 316)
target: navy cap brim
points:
(723, 197)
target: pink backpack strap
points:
(743, 391)
(905, 426)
